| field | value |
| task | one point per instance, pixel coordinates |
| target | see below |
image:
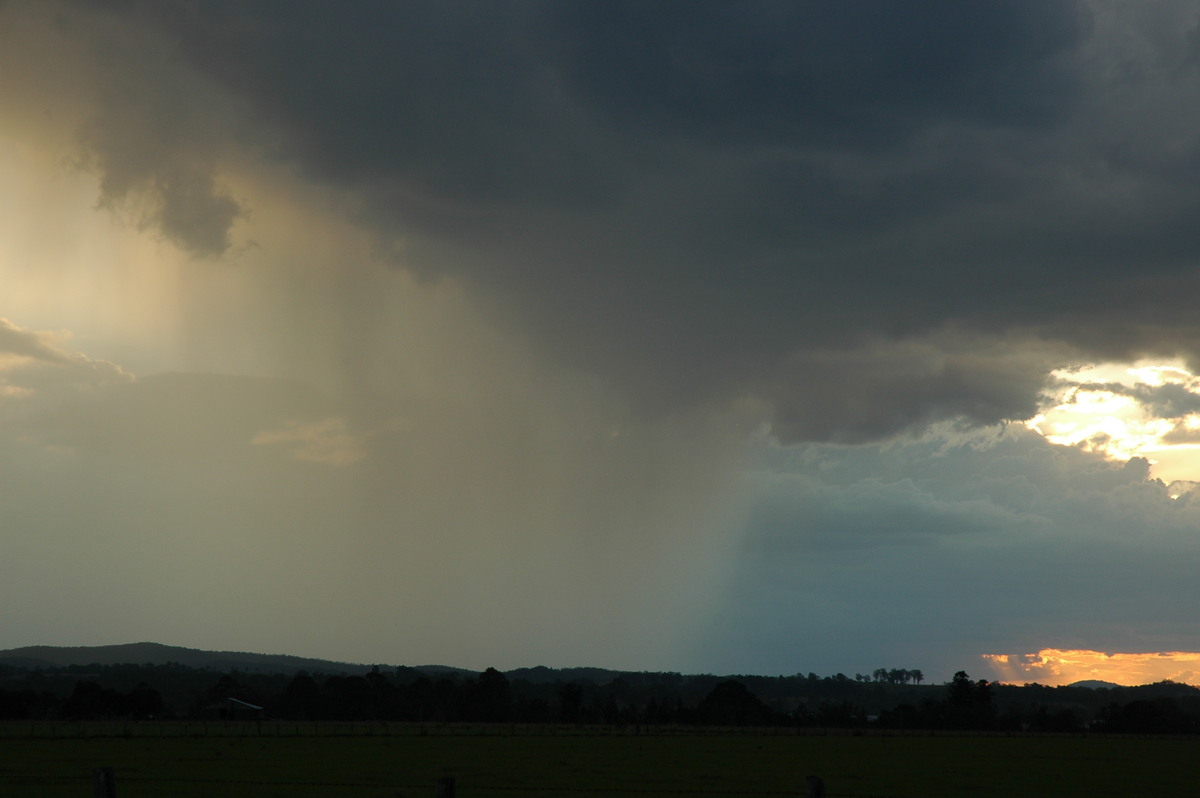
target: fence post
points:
(815, 786)
(104, 784)
(445, 787)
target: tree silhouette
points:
(492, 697)
(570, 703)
(969, 704)
(730, 703)
(300, 699)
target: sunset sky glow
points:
(766, 337)
(1054, 667)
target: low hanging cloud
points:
(29, 345)
(152, 131)
(34, 365)
(156, 143)
(325, 441)
(883, 387)
(1170, 400)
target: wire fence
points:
(445, 788)
(44, 729)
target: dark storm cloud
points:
(1170, 400)
(452, 99)
(855, 73)
(499, 97)
(690, 197)
(153, 133)
(870, 390)
(548, 270)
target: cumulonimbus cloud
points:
(681, 198)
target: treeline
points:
(1162, 708)
(406, 695)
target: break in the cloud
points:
(1150, 410)
(661, 334)
(1054, 666)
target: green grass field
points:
(216, 760)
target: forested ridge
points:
(543, 695)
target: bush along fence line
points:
(78, 730)
(104, 785)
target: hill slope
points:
(158, 654)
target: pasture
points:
(286, 760)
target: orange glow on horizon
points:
(1053, 667)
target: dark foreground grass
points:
(553, 763)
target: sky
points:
(763, 337)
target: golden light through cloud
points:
(326, 441)
(63, 265)
(1054, 667)
(1123, 410)
(1143, 409)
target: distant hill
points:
(158, 654)
(1168, 689)
(223, 661)
(54, 657)
(1163, 689)
(542, 675)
